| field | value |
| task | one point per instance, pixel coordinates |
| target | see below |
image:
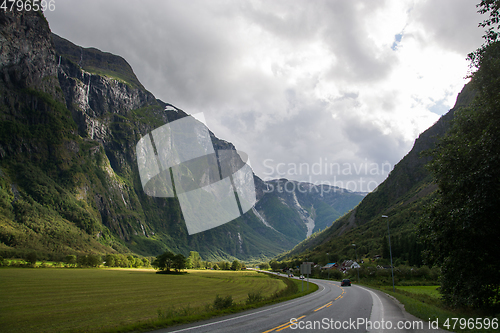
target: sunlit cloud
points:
(292, 81)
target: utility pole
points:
(327, 262)
(390, 251)
(357, 263)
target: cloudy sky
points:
(332, 91)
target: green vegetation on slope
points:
(462, 225)
(97, 62)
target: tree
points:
(264, 265)
(189, 265)
(236, 265)
(145, 262)
(83, 261)
(71, 260)
(121, 261)
(274, 265)
(131, 261)
(94, 260)
(164, 261)
(31, 258)
(195, 259)
(224, 265)
(179, 262)
(110, 260)
(461, 227)
(492, 25)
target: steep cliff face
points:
(27, 58)
(70, 119)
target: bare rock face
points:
(27, 56)
(91, 97)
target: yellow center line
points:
(290, 324)
(323, 306)
(282, 326)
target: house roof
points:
(329, 265)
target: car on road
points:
(301, 277)
(345, 282)
(290, 275)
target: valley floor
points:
(76, 299)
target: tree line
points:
(168, 261)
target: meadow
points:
(74, 300)
(425, 303)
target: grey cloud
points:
(188, 54)
(452, 23)
(346, 36)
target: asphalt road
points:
(330, 308)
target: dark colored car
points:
(345, 282)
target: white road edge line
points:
(377, 313)
(248, 314)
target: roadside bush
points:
(384, 273)
(336, 274)
(423, 271)
(254, 297)
(173, 313)
(221, 303)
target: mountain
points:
(70, 119)
(402, 197)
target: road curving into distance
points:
(330, 308)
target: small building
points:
(330, 266)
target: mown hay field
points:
(62, 299)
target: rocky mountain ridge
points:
(70, 119)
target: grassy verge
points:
(425, 303)
(119, 300)
(172, 316)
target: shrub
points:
(254, 297)
(336, 274)
(173, 313)
(221, 303)
(71, 260)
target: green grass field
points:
(425, 303)
(431, 291)
(61, 300)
